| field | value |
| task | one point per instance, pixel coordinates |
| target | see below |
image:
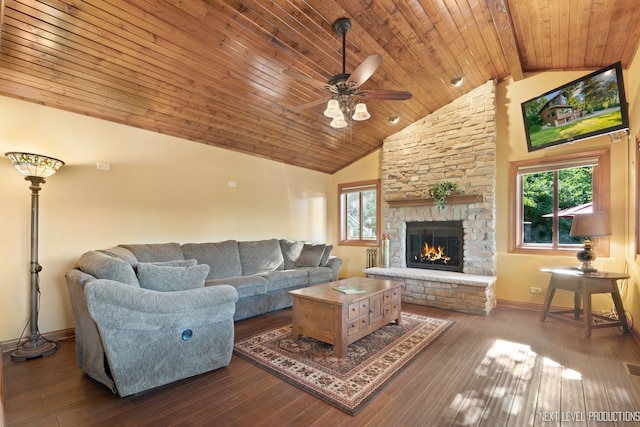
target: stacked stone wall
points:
(455, 143)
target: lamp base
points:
(32, 349)
(587, 256)
(586, 267)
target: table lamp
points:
(587, 226)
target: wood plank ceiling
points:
(212, 70)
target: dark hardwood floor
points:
(504, 369)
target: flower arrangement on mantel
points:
(441, 190)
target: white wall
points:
(159, 189)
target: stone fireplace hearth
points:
(455, 143)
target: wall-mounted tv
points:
(589, 106)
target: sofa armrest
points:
(118, 305)
(334, 263)
(89, 350)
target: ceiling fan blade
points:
(365, 70)
(304, 78)
(299, 108)
(394, 95)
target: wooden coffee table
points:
(337, 318)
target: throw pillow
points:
(290, 251)
(325, 255)
(103, 266)
(174, 263)
(167, 278)
(310, 255)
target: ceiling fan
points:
(345, 89)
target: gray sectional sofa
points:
(150, 314)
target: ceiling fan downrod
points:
(341, 27)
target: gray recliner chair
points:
(133, 339)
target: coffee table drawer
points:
(354, 311)
(358, 308)
(356, 324)
(392, 295)
(391, 311)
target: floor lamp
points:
(35, 168)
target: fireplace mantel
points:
(453, 199)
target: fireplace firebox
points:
(435, 245)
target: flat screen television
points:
(586, 107)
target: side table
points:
(585, 284)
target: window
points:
(547, 192)
(359, 206)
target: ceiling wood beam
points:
(506, 33)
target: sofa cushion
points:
(103, 266)
(122, 253)
(167, 278)
(285, 279)
(155, 251)
(310, 255)
(318, 274)
(260, 256)
(325, 255)
(223, 258)
(246, 286)
(290, 252)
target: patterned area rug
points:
(347, 383)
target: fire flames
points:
(433, 254)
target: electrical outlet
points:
(103, 166)
(535, 290)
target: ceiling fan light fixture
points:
(361, 112)
(338, 122)
(333, 109)
(345, 88)
(457, 81)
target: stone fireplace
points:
(455, 143)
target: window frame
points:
(637, 221)
(601, 200)
(364, 185)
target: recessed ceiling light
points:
(456, 81)
(394, 119)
